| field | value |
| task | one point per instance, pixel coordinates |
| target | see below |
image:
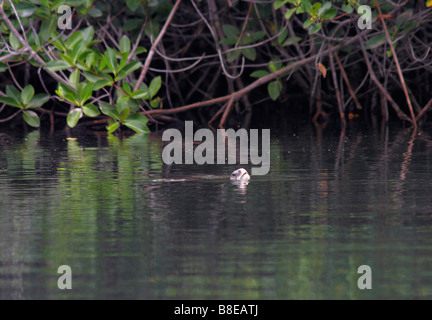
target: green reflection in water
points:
(300, 233)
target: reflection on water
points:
(333, 201)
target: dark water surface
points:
(332, 202)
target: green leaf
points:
(74, 78)
(314, 10)
(155, 103)
(232, 55)
(57, 65)
(282, 36)
(47, 28)
(109, 110)
(64, 89)
(34, 40)
(289, 13)
(102, 83)
(88, 34)
(38, 100)
(403, 18)
(329, 14)
(77, 51)
(13, 93)
(90, 58)
(31, 118)
(128, 69)
(81, 66)
(57, 3)
(102, 64)
(67, 93)
(230, 31)
(66, 57)
(122, 99)
(121, 107)
(90, 110)
(10, 102)
(278, 4)
(152, 29)
(348, 8)
(90, 76)
(274, 89)
(259, 73)
(275, 64)
(25, 9)
(291, 40)
(138, 117)
(85, 91)
(246, 39)
(95, 13)
(59, 44)
(229, 41)
(73, 117)
(72, 98)
(112, 127)
(140, 49)
(133, 4)
(249, 53)
(127, 88)
(411, 25)
(305, 6)
(124, 44)
(323, 8)
(3, 67)
(45, 3)
(34, 63)
(140, 94)
(134, 106)
(315, 28)
(137, 122)
(124, 114)
(124, 57)
(111, 60)
(308, 23)
(132, 24)
(255, 36)
(154, 86)
(75, 38)
(87, 3)
(27, 94)
(14, 42)
(375, 41)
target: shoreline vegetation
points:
(133, 65)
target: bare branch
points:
(152, 49)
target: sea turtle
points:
(238, 176)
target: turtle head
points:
(240, 174)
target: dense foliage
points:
(106, 65)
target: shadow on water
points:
(333, 201)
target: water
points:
(333, 201)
